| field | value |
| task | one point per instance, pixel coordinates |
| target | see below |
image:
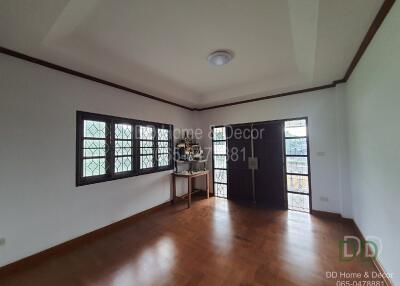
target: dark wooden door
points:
(239, 174)
(266, 143)
(268, 178)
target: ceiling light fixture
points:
(220, 57)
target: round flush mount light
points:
(220, 57)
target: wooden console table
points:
(189, 177)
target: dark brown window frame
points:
(110, 142)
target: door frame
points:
(284, 153)
(308, 161)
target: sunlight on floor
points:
(300, 238)
(222, 225)
(158, 258)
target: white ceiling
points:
(161, 47)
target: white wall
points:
(321, 107)
(373, 114)
(39, 203)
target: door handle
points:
(252, 163)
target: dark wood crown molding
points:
(85, 76)
(379, 18)
(270, 96)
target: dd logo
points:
(331, 275)
(351, 247)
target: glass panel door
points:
(297, 165)
(219, 161)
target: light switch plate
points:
(324, 199)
